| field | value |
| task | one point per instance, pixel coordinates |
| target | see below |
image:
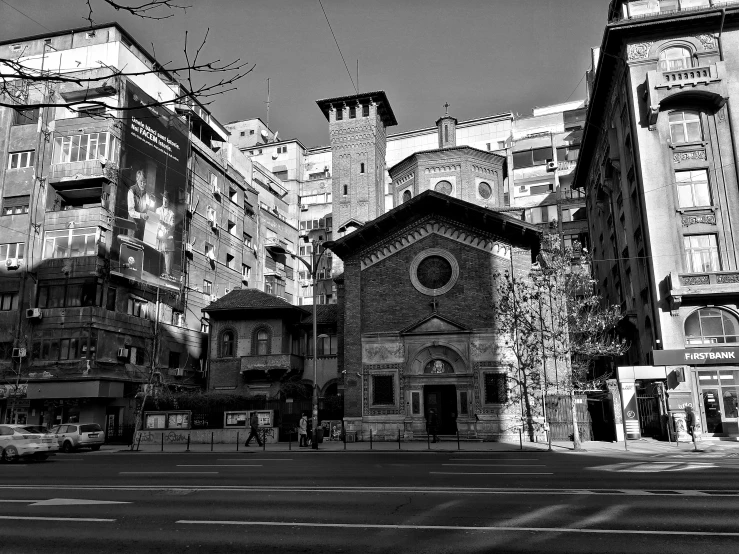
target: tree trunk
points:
(575, 432)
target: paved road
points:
(371, 502)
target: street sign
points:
(713, 355)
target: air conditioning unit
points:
(12, 263)
(551, 166)
(188, 247)
(213, 297)
(212, 220)
(33, 313)
(179, 372)
(303, 208)
(245, 281)
(19, 352)
(211, 255)
(123, 352)
(216, 189)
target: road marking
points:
(218, 465)
(376, 490)
(44, 518)
(167, 472)
(258, 459)
(493, 460)
(69, 459)
(73, 502)
(490, 473)
(497, 465)
(17, 501)
(461, 528)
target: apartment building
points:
(658, 168)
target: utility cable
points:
(337, 46)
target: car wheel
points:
(67, 447)
(10, 454)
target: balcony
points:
(105, 83)
(80, 171)
(714, 283)
(654, 8)
(270, 367)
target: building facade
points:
(658, 168)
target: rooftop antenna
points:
(357, 75)
(267, 102)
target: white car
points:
(20, 441)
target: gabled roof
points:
(249, 299)
(435, 323)
(514, 231)
(326, 314)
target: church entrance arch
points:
(442, 399)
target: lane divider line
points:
(219, 465)
(168, 473)
(462, 528)
(496, 465)
(491, 473)
(65, 519)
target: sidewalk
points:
(637, 447)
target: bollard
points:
(458, 448)
(290, 439)
(188, 443)
(343, 433)
(428, 439)
(238, 440)
(211, 441)
(264, 441)
(370, 439)
(162, 441)
(138, 444)
(398, 439)
(520, 437)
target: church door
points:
(443, 400)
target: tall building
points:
(658, 168)
(118, 227)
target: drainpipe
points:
(720, 35)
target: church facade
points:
(416, 319)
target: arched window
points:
(261, 341)
(674, 58)
(406, 196)
(227, 344)
(444, 187)
(685, 127)
(711, 326)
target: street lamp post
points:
(313, 271)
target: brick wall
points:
(352, 343)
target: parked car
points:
(21, 441)
(79, 435)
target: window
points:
(415, 403)
(204, 326)
(207, 287)
(12, 250)
(209, 252)
(463, 403)
(91, 111)
(406, 195)
(339, 114)
(110, 301)
(675, 58)
(227, 344)
(711, 326)
(15, 205)
(231, 226)
(701, 253)
(365, 110)
(444, 187)
(8, 301)
(361, 167)
(80, 148)
(326, 345)
(496, 391)
(70, 243)
(137, 307)
(245, 272)
(568, 153)
(243, 133)
(383, 390)
(685, 127)
(352, 112)
(230, 264)
(262, 338)
(346, 190)
(178, 319)
(139, 356)
(233, 195)
(692, 188)
(26, 117)
(19, 160)
(530, 158)
(247, 240)
(174, 360)
(251, 131)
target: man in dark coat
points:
(433, 425)
(254, 425)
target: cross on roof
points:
(446, 108)
(434, 304)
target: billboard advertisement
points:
(150, 198)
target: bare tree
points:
(28, 83)
(555, 310)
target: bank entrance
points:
(443, 400)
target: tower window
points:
(352, 112)
(446, 133)
(361, 167)
(365, 111)
(339, 114)
(346, 190)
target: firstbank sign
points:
(697, 356)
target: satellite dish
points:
(275, 137)
(264, 133)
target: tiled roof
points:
(325, 314)
(248, 299)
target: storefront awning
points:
(75, 389)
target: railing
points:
(689, 76)
(708, 278)
(91, 169)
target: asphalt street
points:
(305, 501)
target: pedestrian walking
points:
(254, 425)
(303, 431)
(433, 425)
(690, 424)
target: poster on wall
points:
(150, 198)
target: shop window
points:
(692, 188)
(496, 390)
(383, 390)
(227, 344)
(711, 326)
(701, 253)
(685, 127)
(675, 58)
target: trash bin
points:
(319, 434)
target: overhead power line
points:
(337, 46)
(25, 15)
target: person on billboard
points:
(165, 235)
(139, 202)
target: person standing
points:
(433, 425)
(165, 236)
(254, 425)
(139, 202)
(303, 431)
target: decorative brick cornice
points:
(451, 231)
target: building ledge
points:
(715, 283)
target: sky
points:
(483, 57)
